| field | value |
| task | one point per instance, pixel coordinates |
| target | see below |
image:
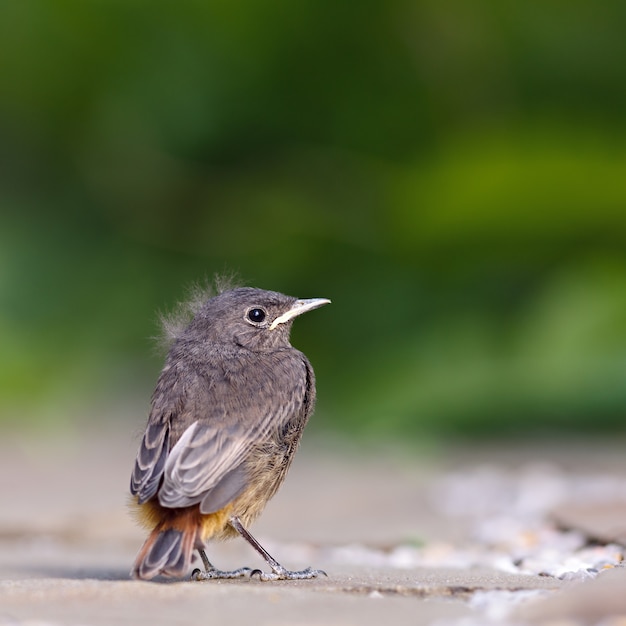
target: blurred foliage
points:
(451, 174)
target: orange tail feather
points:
(169, 548)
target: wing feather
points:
(207, 465)
(150, 461)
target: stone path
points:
(465, 538)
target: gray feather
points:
(150, 462)
(226, 490)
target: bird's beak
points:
(299, 307)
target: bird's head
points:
(252, 318)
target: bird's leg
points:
(278, 571)
(208, 566)
(210, 572)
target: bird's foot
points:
(217, 574)
(280, 573)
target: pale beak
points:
(299, 307)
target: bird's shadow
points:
(74, 573)
(87, 573)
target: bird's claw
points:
(216, 574)
(285, 574)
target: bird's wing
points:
(207, 465)
(150, 461)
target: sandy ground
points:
(516, 536)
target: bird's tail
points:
(168, 549)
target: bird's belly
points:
(267, 470)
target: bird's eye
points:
(256, 315)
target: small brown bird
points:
(227, 416)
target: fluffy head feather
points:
(174, 323)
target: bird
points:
(226, 418)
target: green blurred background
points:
(451, 174)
